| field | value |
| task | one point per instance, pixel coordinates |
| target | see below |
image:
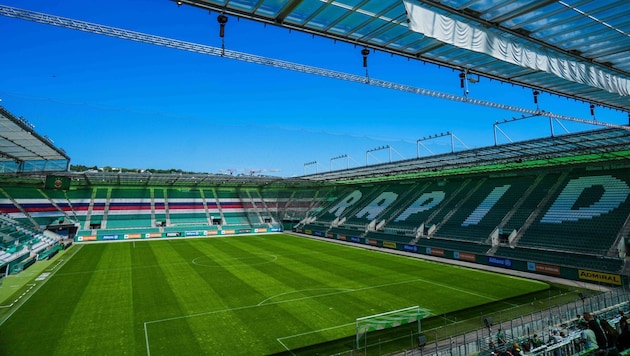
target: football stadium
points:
(514, 248)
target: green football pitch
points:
(241, 295)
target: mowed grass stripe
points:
(235, 291)
(102, 318)
(248, 292)
(339, 278)
(297, 306)
(215, 331)
(252, 328)
(47, 313)
(396, 277)
(154, 298)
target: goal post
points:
(388, 320)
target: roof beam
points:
(287, 10)
(522, 10)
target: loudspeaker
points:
(422, 341)
(488, 322)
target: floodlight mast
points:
(339, 157)
(386, 147)
(505, 121)
(312, 163)
(448, 133)
(84, 26)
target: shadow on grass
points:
(445, 326)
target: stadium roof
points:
(574, 48)
(604, 145)
(23, 149)
(609, 144)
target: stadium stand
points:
(129, 208)
(21, 245)
(574, 216)
(570, 212)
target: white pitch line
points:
(20, 297)
(146, 323)
(37, 287)
(146, 338)
(307, 333)
(285, 346)
(313, 297)
(304, 290)
(316, 331)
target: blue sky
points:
(112, 102)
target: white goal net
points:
(387, 320)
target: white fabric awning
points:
(463, 35)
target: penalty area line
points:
(280, 339)
(146, 338)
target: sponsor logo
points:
(191, 233)
(600, 277)
(152, 235)
(505, 262)
(88, 238)
(109, 237)
(389, 244)
(550, 269)
(173, 234)
(411, 248)
(436, 252)
(227, 232)
(372, 242)
(212, 232)
(342, 237)
(133, 236)
(464, 256)
(355, 239)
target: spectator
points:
(622, 318)
(611, 334)
(554, 337)
(602, 343)
(501, 338)
(526, 346)
(587, 336)
(578, 320)
(623, 341)
(515, 350)
(536, 341)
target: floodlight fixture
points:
(339, 157)
(310, 164)
(442, 134)
(365, 52)
(222, 20)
